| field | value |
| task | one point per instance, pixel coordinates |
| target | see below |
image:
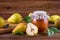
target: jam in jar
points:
(40, 19)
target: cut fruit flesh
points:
(31, 29)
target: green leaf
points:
(19, 33)
(27, 19)
(50, 32)
(55, 29)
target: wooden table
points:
(8, 7)
(25, 37)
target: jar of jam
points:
(40, 19)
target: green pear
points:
(20, 28)
(15, 18)
(2, 22)
(53, 18)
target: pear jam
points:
(40, 19)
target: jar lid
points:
(39, 15)
(40, 12)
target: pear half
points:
(31, 30)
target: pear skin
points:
(15, 18)
(53, 18)
(21, 27)
(2, 22)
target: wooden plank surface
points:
(25, 37)
(25, 0)
(25, 7)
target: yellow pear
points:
(53, 18)
(20, 28)
(15, 18)
(30, 14)
(57, 23)
(2, 22)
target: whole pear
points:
(20, 28)
(57, 23)
(2, 22)
(15, 18)
(53, 18)
(30, 14)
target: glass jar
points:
(40, 19)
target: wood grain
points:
(25, 37)
(25, 0)
(25, 7)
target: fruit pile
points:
(25, 25)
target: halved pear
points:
(31, 30)
(15, 18)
